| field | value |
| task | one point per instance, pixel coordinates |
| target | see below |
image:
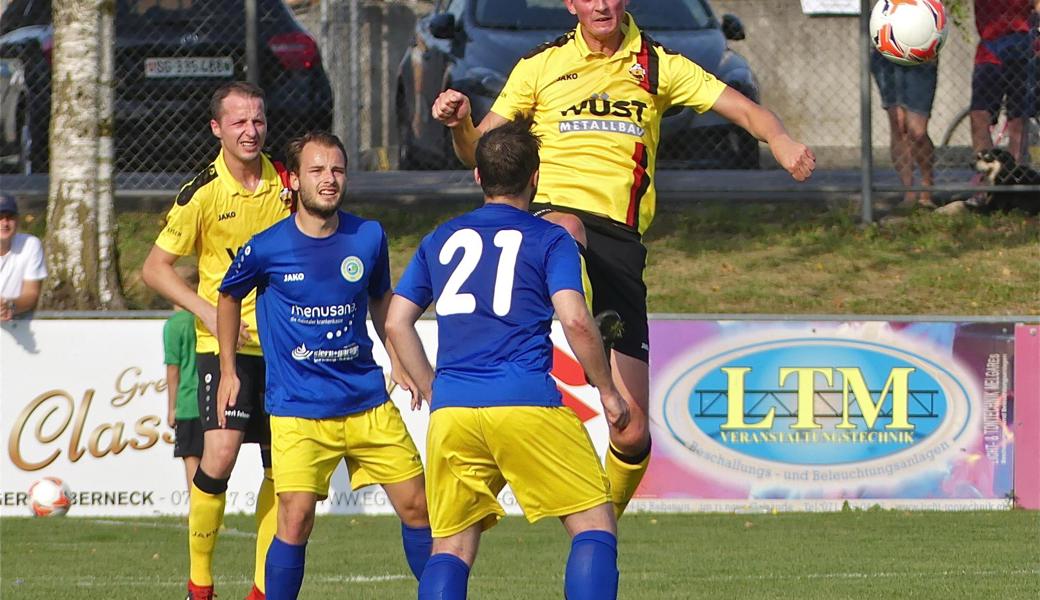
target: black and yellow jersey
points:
(213, 217)
(599, 118)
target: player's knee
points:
(412, 510)
(295, 522)
(571, 223)
(633, 439)
(220, 459)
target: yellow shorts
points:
(378, 449)
(543, 453)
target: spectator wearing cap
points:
(22, 268)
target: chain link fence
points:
(370, 69)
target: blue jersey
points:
(312, 303)
(492, 273)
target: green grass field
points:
(758, 257)
(854, 554)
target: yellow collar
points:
(630, 43)
(234, 187)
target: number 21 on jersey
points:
(454, 302)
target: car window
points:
(22, 13)
(551, 14)
(457, 8)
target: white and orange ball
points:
(49, 497)
(908, 32)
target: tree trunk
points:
(79, 242)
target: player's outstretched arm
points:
(584, 339)
(229, 322)
(453, 109)
(400, 330)
(760, 122)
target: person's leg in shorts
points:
(380, 451)
(1018, 83)
(614, 261)
(305, 453)
(187, 445)
(246, 422)
(553, 474)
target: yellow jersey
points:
(599, 118)
(213, 217)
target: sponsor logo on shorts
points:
(352, 269)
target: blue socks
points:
(444, 578)
(591, 567)
(284, 575)
(417, 546)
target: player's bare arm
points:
(452, 108)
(583, 337)
(760, 122)
(400, 330)
(158, 273)
(377, 309)
(25, 301)
(229, 322)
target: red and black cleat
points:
(199, 592)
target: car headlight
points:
(487, 81)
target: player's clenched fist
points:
(451, 108)
(795, 157)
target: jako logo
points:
(771, 407)
(226, 215)
(293, 277)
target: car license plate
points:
(192, 66)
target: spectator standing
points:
(22, 268)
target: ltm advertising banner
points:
(746, 415)
(792, 415)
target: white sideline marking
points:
(91, 581)
(879, 575)
(228, 531)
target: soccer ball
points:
(49, 497)
(908, 32)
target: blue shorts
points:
(913, 88)
(1014, 79)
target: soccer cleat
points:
(199, 592)
(256, 594)
(611, 328)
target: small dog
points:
(998, 168)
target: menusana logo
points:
(818, 410)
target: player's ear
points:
(476, 175)
(214, 126)
(294, 181)
(534, 179)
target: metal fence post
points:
(353, 134)
(866, 134)
(252, 57)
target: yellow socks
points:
(266, 525)
(625, 473)
(205, 516)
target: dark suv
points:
(169, 57)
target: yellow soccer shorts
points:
(375, 443)
(543, 453)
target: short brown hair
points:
(295, 147)
(507, 156)
(243, 88)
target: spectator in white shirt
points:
(22, 268)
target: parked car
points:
(472, 45)
(169, 57)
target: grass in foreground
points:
(762, 257)
(798, 556)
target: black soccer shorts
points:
(189, 438)
(248, 414)
(615, 259)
